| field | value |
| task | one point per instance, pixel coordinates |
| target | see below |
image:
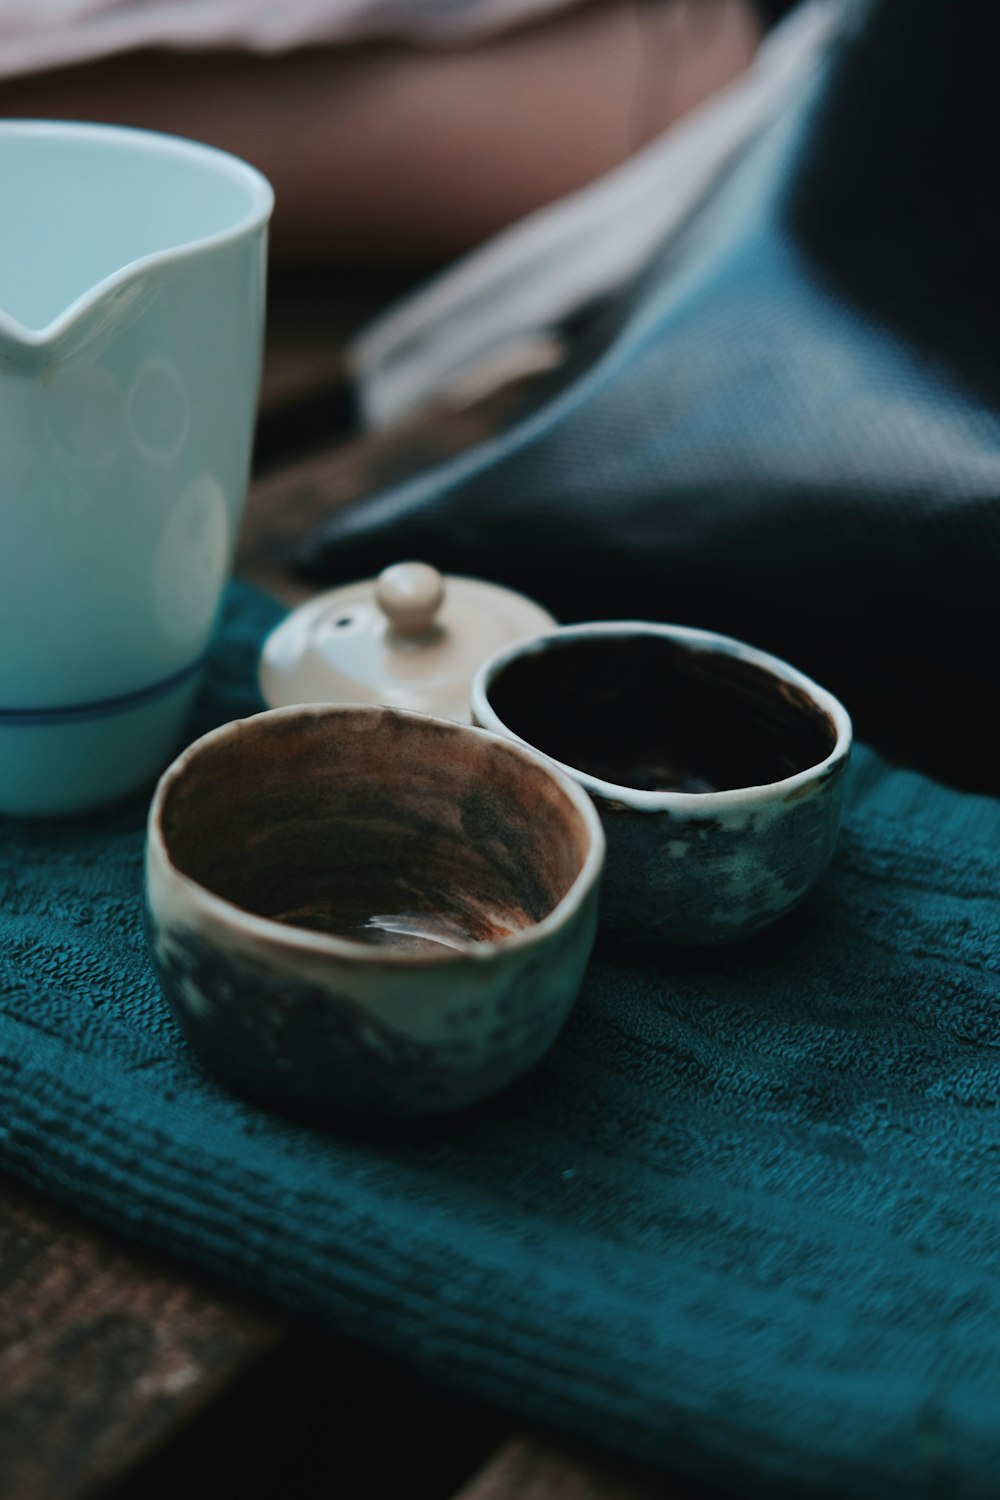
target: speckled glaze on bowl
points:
(717, 769)
(358, 910)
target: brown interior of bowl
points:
(380, 827)
(651, 713)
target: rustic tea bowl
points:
(360, 910)
(717, 769)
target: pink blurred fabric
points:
(37, 35)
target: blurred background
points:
(406, 131)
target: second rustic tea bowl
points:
(718, 770)
(366, 911)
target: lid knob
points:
(410, 594)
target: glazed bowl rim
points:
(688, 803)
(303, 940)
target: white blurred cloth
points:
(36, 35)
(496, 314)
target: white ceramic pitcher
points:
(131, 324)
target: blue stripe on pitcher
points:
(100, 706)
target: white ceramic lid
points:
(410, 638)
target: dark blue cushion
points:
(789, 428)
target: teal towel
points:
(742, 1222)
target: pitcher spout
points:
(21, 348)
(94, 214)
(90, 320)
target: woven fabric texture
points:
(741, 1222)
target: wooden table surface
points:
(126, 1373)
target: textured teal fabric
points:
(743, 1221)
